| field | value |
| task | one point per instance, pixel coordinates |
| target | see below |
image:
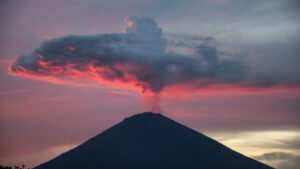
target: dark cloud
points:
(275, 156)
(281, 160)
(292, 163)
(137, 57)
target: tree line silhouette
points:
(15, 167)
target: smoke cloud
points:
(140, 57)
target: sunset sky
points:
(226, 68)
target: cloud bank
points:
(139, 57)
(281, 160)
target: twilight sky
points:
(226, 68)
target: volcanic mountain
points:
(151, 141)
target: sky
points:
(226, 68)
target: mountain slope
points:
(151, 141)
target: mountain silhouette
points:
(151, 141)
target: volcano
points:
(151, 141)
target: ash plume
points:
(137, 57)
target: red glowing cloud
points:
(138, 58)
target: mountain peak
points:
(145, 116)
(150, 140)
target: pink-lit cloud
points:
(138, 59)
